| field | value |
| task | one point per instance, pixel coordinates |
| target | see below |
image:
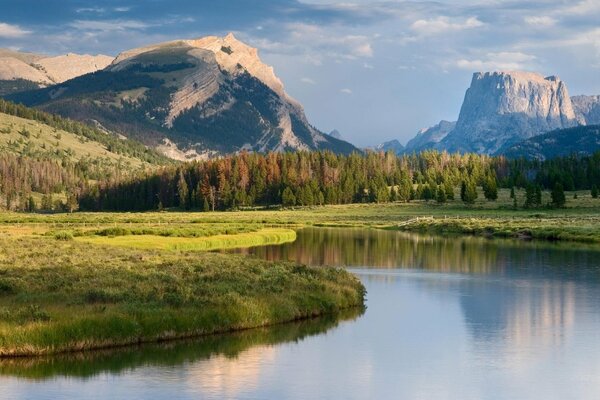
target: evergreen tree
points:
(468, 192)
(449, 189)
(182, 191)
(441, 195)
(288, 198)
(205, 205)
(512, 192)
(490, 188)
(558, 196)
(594, 191)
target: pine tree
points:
(182, 191)
(558, 196)
(594, 191)
(512, 192)
(490, 188)
(468, 192)
(441, 195)
(288, 198)
(205, 205)
(449, 189)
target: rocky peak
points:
(502, 108)
(428, 138)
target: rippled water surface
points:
(447, 318)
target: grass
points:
(578, 222)
(217, 242)
(61, 295)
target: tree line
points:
(322, 177)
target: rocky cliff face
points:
(44, 70)
(587, 109)
(504, 108)
(192, 99)
(428, 138)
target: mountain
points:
(25, 71)
(429, 138)
(392, 145)
(587, 109)
(335, 134)
(191, 99)
(503, 108)
(581, 140)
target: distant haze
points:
(375, 71)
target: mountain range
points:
(188, 98)
(506, 112)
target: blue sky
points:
(374, 70)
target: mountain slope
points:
(504, 108)
(581, 140)
(31, 133)
(190, 98)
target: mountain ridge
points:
(192, 98)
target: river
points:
(446, 318)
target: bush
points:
(63, 235)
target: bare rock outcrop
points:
(587, 109)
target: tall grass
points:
(58, 296)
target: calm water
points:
(446, 319)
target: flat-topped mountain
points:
(191, 98)
(504, 108)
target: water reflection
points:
(222, 350)
(376, 248)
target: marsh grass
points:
(60, 296)
(183, 243)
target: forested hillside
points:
(46, 161)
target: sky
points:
(374, 70)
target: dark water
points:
(446, 319)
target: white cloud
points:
(498, 61)
(98, 10)
(543, 21)
(328, 40)
(308, 81)
(12, 31)
(108, 25)
(438, 25)
(346, 91)
(122, 9)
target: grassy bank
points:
(217, 242)
(58, 296)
